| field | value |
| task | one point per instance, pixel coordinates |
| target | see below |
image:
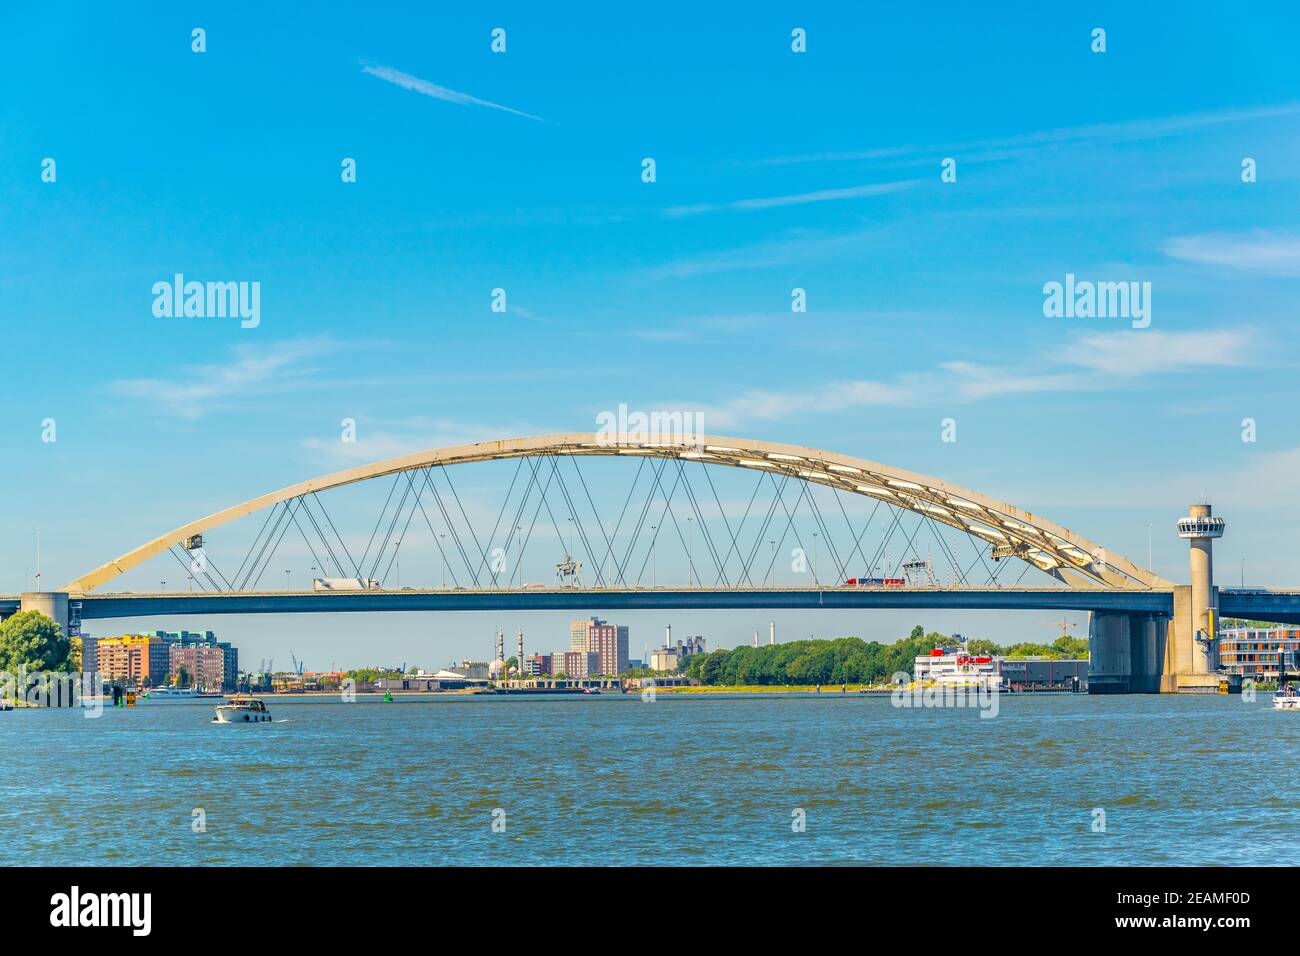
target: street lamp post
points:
(653, 538)
(287, 587)
(814, 567)
(443, 537)
(771, 571)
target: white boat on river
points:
(243, 710)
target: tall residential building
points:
(204, 665)
(133, 660)
(188, 648)
(89, 654)
(607, 641)
(575, 663)
(208, 636)
(1253, 651)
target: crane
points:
(1063, 624)
(297, 664)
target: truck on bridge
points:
(345, 584)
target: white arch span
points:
(1011, 531)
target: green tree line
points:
(849, 660)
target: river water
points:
(679, 780)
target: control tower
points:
(1196, 656)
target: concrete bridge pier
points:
(50, 603)
(1194, 657)
(1127, 651)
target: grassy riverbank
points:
(773, 689)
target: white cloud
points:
(1092, 362)
(1088, 135)
(974, 381)
(425, 88)
(1260, 251)
(1145, 352)
(377, 439)
(1104, 358)
(764, 405)
(254, 371)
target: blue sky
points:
(775, 170)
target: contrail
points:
(424, 87)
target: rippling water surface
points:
(681, 780)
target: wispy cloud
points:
(1093, 362)
(254, 370)
(763, 405)
(378, 438)
(796, 199)
(1087, 135)
(1147, 352)
(408, 82)
(1105, 360)
(1259, 252)
(973, 381)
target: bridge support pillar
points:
(1192, 662)
(1127, 653)
(50, 603)
(1195, 654)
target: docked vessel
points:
(243, 710)
(958, 669)
(164, 695)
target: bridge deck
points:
(1279, 606)
(103, 606)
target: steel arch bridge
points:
(1002, 529)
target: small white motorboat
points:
(1286, 698)
(243, 710)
